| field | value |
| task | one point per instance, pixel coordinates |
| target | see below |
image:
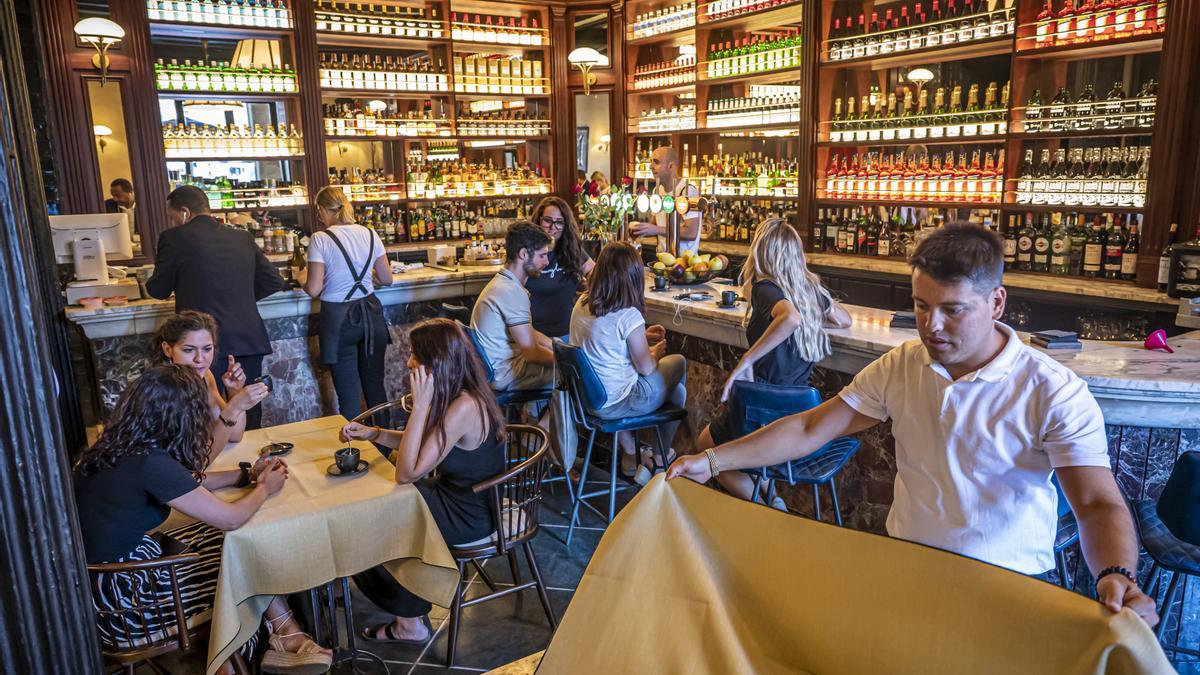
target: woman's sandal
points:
(371, 634)
(309, 659)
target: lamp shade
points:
(257, 54)
(920, 75)
(585, 56)
(101, 130)
(96, 29)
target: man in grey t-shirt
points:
(521, 357)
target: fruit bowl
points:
(689, 269)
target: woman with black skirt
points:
(345, 263)
(457, 428)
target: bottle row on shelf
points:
(384, 119)
(1109, 176)
(382, 73)
(736, 219)
(232, 141)
(397, 224)
(360, 18)
(753, 54)
(499, 75)
(465, 179)
(894, 32)
(716, 10)
(245, 13)
(503, 124)
(1117, 111)
(1066, 244)
(217, 77)
(889, 118)
(874, 230)
(1097, 20)
(664, 20)
(503, 30)
(665, 74)
(747, 111)
(679, 118)
(748, 174)
(226, 193)
(909, 176)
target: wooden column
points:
(618, 107)
(312, 118)
(810, 111)
(561, 106)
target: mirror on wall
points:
(591, 30)
(593, 136)
(112, 153)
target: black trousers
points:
(358, 373)
(252, 366)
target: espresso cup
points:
(347, 459)
(660, 283)
(728, 297)
(266, 379)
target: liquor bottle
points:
(1114, 248)
(1010, 242)
(1041, 246)
(1129, 256)
(1059, 110)
(1060, 246)
(1112, 107)
(1084, 109)
(1077, 231)
(1025, 245)
(1164, 260)
(1045, 26)
(1093, 251)
(1064, 27)
(1034, 112)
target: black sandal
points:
(371, 634)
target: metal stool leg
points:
(663, 446)
(612, 479)
(817, 501)
(837, 509)
(1152, 578)
(1172, 590)
(757, 483)
(587, 461)
(1060, 565)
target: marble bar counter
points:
(119, 342)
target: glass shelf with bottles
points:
(364, 186)
(396, 224)
(895, 33)
(1068, 244)
(1093, 21)
(882, 231)
(384, 20)
(384, 119)
(506, 76)
(666, 74)
(916, 177)
(750, 174)
(663, 20)
(736, 219)
(1116, 112)
(470, 180)
(217, 77)
(752, 111)
(720, 10)
(1106, 177)
(230, 194)
(234, 13)
(236, 141)
(753, 55)
(893, 119)
(503, 124)
(500, 30)
(658, 120)
(375, 73)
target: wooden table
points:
(320, 528)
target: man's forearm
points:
(781, 441)
(1107, 537)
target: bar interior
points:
(900, 297)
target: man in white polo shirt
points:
(981, 420)
(664, 163)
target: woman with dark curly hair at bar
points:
(151, 459)
(552, 293)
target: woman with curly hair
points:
(189, 339)
(150, 459)
(552, 293)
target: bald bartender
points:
(664, 164)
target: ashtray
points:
(275, 449)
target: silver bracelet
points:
(713, 467)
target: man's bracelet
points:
(1117, 569)
(378, 433)
(713, 467)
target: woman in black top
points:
(456, 427)
(552, 293)
(150, 459)
(789, 311)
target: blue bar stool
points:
(587, 394)
(510, 400)
(1170, 532)
(754, 405)
(1067, 534)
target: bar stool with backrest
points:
(756, 404)
(168, 614)
(587, 394)
(515, 497)
(1170, 532)
(1066, 535)
(510, 400)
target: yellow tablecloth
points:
(688, 580)
(319, 528)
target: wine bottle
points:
(1164, 260)
(1129, 256)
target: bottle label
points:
(1091, 256)
(1059, 246)
(1042, 245)
(1010, 248)
(1164, 271)
(1129, 263)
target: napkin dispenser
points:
(440, 255)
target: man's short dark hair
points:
(188, 197)
(122, 183)
(524, 236)
(962, 252)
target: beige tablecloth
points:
(319, 528)
(688, 580)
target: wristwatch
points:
(247, 477)
(228, 423)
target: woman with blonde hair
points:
(785, 328)
(345, 263)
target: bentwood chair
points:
(511, 400)
(131, 626)
(392, 415)
(587, 394)
(515, 496)
(1170, 532)
(756, 404)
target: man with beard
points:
(521, 357)
(981, 421)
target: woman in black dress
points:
(456, 427)
(552, 293)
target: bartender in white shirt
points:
(664, 164)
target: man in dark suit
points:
(216, 269)
(123, 199)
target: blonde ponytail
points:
(331, 197)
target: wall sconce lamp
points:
(920, 77)
(100, 34)
(101, 133)
(602, 146)
(586, 58)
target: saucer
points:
(721, 305)
(333, 469)
(275, 449)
